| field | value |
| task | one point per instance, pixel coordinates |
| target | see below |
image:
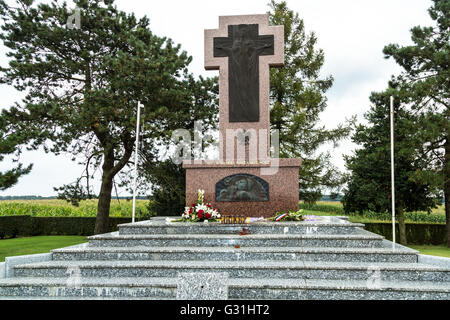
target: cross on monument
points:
(243, 46)
(243, 49)
(246, 179)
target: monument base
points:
(281, 176)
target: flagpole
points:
(136, 159)
(392, 172)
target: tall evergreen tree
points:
(84, 76)
(425, 84)
(297, 94)
(167, 178)
(10, 140)
(369, 184)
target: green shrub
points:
(416, 233)
(417, 217)
(13, 226)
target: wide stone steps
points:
(148, 228)
(239, 269)
(326, 258)
(250, 240)
(165, 288)
(233, 254)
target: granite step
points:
(149, 227)
(87, 288)
(318, 289)
(165, 288)
(239, 269)
(251, 240)
(86, 253)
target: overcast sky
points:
(352, 34)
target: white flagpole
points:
(136, 159)
(392, 172)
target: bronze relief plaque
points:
(242, 187)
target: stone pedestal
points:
(282, 182)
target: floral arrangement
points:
(291, 215)
(200, 211)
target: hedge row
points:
(416, 233)
(421, 217)
(13, 226)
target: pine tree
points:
(298, 97)
(9, 144)
(369, 181)
(425, 84)
(84, 78)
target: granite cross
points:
(243, 46)
(243, 49)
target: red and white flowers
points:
(200, 211)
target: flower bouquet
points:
(200, 211)
(291, 215)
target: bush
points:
(168, 188)
(416, 233)
(13, 226)
(420, 217)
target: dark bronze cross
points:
(243, 46)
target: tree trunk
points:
(401, 226)
(104, 198)
(447, 187)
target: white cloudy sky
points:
(352, 34)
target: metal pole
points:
(136, 159)
(392, 172)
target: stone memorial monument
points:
(245, 180)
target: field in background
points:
(61, 208)
(123, 208)
(439, 210)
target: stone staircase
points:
(327, 258)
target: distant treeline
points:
(54, 197)
(324, 198)
(329, 198)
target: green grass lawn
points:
(32, 245)
(441, 251)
